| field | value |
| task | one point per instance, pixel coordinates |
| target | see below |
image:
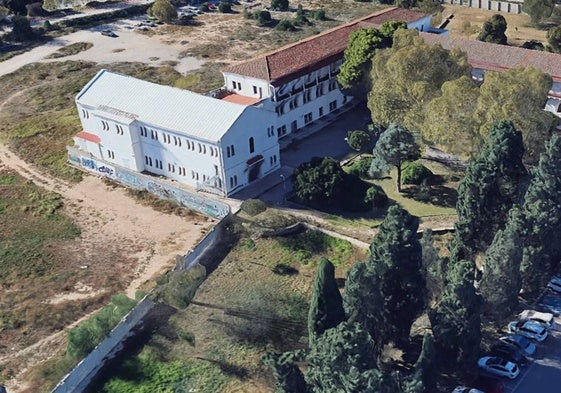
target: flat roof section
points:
(242, 100)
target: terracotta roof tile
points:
(314, 52)
(494, 57)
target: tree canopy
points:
(319, 181)
(449, 119)
(538, 9)
(395, 146)
(518, 94)
(554, 38)
(494, 30)
(164, 11)
(326, 306)
(357, 62)
(493, 183)
(542, 213)
(408, 75)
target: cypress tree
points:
(326, 307)
(493, 182)
(288, 377)
(456, 322)
(501, 280)
(542, 211)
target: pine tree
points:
(456, 322)
(326, 306)
(501, 280)
(542, 211)
(343, 360)
(434, 267)
(386, 295)
(493, 182)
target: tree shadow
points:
(229, 369)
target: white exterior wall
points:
(254, 123)
(421, 25)
(88, 121)
(174, 155)
(246, 86)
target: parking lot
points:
(544, 372)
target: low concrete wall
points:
(80, 378)
(159, 187)
(509, 7)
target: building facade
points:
(221, 142)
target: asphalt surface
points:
(543, 374)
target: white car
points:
(555, 284)
(498, 366)
(544, 318)
(528, 328)
(465, 389)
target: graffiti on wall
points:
(198, 202)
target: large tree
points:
(449, 121)
(354, 74)
(518, 94)
(408, 75)
(385, 295)
(542, 211)
(456, 322)
(494, 30)
(164, 11)
(493, 183)
(395, 146)
(538, 9)
(326, 307)
(343, 360)
(554, 38)
(501, 282)
(319, 182)
(288, 377)
(424, 376)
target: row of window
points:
(306, 97)
(308, 118)
(202, 148)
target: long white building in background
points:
(220, 143)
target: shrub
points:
(285, 25)
(263, 17)
(225, 7)
(279, 5)
(253, 207)
(318, 14)
(283, 269)
(301, 20)
(376, 197)
(204, 7)
(361, 167)
(414, 173)
(358, 139)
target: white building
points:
(220, 144)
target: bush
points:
(204, 7)
(376, 197)
(263, 17)
(358, 139)
(285, 25)
(301, 20)
(361, 167)
(279, 5)
(318, 14)
(253, 207)
(414, 173)
(225, 7)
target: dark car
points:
(488, 384)
(510, 353)
(108, 33)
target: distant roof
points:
(494, 57)
(179, 110)
(314, 52)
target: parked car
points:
(109, 33)
(488, 384)
(510, 353)
(551, 301)
(544, 318)
(528, 328)
(465, 389)
(499, 366)
(555, 284)
(527, 347)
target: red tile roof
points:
(494, 57)
(314, 52)
(88, 137)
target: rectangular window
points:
(281, 131)
(143, 131)
(332, 106)
(320, 111)
(308, 118)
(111, 154)
(234, 85)
(228, 153)
(254, 89)
(232, 150)
(294, 126)
(280, 109)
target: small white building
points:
(197, 140)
